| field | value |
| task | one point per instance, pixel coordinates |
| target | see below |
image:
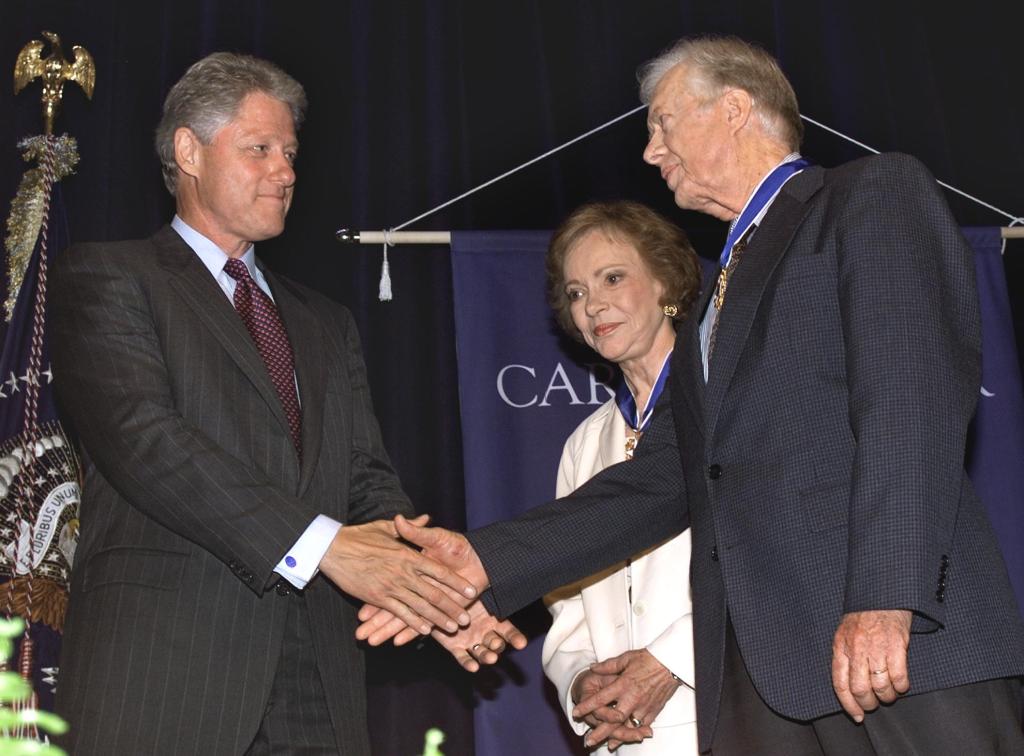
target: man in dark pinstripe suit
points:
(223, 454)
(849, 595)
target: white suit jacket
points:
(595, 619)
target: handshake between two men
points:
(435, 589)
(410, 592)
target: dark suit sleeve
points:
(620, 511)
(112, 379)
(911, 328)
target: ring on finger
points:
(636, 721)
(475, 646)
(881, 671)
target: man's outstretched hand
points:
(445, 546)
(369, 562)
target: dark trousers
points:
(296, 720)
(980, 719)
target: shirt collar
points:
(213, 257)
(788, 159)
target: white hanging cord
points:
(840, 134)
(506, 174)
(993, 208)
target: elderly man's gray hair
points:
(716, 64)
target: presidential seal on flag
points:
(40, 475)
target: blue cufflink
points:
(290, 561)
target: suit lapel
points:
(201, 293)
(307, 342)
(747, 284)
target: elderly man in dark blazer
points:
(849, 596)
(231, 455)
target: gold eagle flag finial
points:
(54, 70)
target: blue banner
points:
(523, 387)
(996, 453)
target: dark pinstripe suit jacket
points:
(823, 460)
(193, 492)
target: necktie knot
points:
(237, 269)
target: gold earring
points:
(670, 310)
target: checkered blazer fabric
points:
(193, 492)
(822, 461)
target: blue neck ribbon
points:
(627, 404)
(771, 184)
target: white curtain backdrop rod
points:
(445, 237)
(395, 237)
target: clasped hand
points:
(619, 698)
(368, 561)
(480, 639)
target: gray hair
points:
(209, 95)
(719, 63)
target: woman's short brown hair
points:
(662, 245)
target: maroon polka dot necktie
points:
(259, 314)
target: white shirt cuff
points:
(302, 561)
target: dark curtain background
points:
(412, 103)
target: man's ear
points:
(738, 105)
(187, 151)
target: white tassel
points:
(384, 292)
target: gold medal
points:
(631, 442)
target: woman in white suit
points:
(618, 276)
